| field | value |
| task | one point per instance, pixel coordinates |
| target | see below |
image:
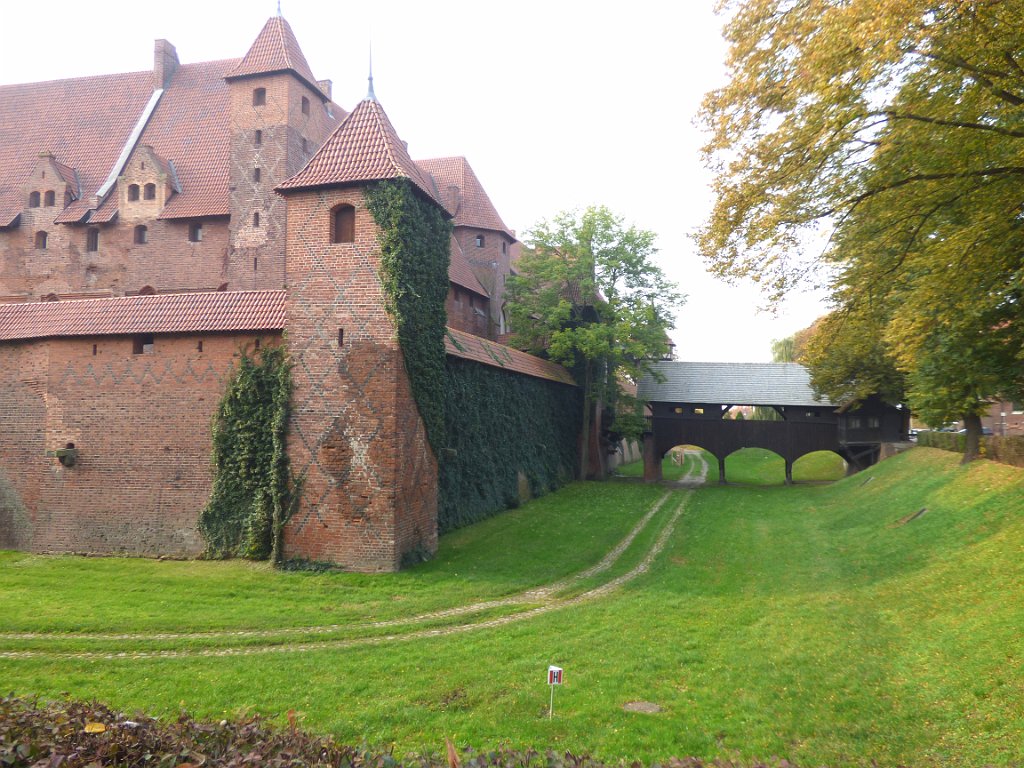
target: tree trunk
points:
(585, 428)
(973, 441)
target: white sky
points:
(556, 105)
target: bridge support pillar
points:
(652, 461)
(721, 471)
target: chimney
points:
(325, 86)
(454, 199)
(165, 62)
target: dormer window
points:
(479, 241)
(259, 97)
(343, 224)
(305, 105)
(41, 238)
(133, 192)
(195, 232)
(33, 200)
(149, 192)
(141, 235)
(49, 198)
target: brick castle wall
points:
(141, 425)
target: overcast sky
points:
(556, 105)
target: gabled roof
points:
(730, 383)
(276, 50)
(365, 147)
(471, 207)
(84, 121)
(469, 347)
(173, 313)
(460, 273)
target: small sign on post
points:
(554, 678)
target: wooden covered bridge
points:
(689, 404)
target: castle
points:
(152, 225)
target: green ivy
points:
(501, 424)
(250, 500)
(415, 247)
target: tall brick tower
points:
(279, 116)
(369, 493)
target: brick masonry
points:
(369, 489)
(141, 426)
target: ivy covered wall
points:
(500, 424)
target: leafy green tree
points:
(588, 294)
(895, 128)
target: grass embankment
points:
(818, 623)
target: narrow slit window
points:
(341, 337)
(92, 239)
(343, 224)
(256, 174)
(256, 219)
(195, 232)
(305, 105)
(199, 346)
(257, 139)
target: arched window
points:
(343, 224)
(305, 105)
(259, 97)
(195, 232)
(479, 241)
(92, 239)
(150, 192)
(41, 240)
(50, 198)
(141, 235)
(33, 200)
(133, 191)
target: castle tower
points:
(369, 493)
(279, 116)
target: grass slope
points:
(806, 622)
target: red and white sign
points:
(554, 675)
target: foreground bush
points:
(70, 734)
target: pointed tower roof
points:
(276, 50)
(365, 147)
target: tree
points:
(896, 129)
(589, 295)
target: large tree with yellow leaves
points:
(877, 147)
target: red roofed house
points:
(154, 223)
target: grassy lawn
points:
(808, 622)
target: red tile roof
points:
(459, 271)
(173, 313)
(472, 208)
(276, 50)
(84, 122)
(365, 147)
(469, 347)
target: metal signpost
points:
(554, 678)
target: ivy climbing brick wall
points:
(369, 488)
(141, 424)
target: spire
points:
(369, 93)
(278, 7)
